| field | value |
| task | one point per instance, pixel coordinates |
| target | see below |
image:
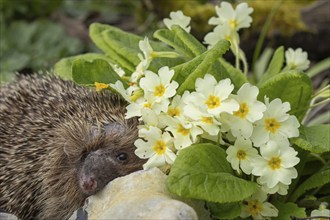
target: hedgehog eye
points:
(122, 156)
(83, 156)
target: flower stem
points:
(319, 158)
(245, 64)
(264, 31)
(320, 103)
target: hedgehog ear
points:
(96, 131)
(68, 150)
(114, 128)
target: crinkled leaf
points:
(123, 48)
(187, 73)
(63, 68)
(317, 180)
(181, 41)
(292, 87)
(225, 210)
(201, 171)
(96, 32)
(189, 46)
(315, 139)
(275, 65)
(288, 210)
(98, 70)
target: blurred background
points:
(35, 34)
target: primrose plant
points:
(242, 146)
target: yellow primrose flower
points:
(100, 86)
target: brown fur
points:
(46, 126)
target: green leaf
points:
(292, 87)
(317, 180)
(225, 210)
(181, 41)
(123, 48)
(189, 46)
(63, 68)
(187, 73)
(288, 210)
(261, 63)
(201, 171)
(275, 65)
(43, 44)
(99, 32)
(88, 72)
(315, 139)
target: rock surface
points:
(140, 195)
(6, 216)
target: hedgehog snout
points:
(88, 184)
(96, 170)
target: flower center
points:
(207, 120)
(272, 125)
(183, 130)
(212, 102)
(274, 163)
(292, 65)
(233, 23)
(159, 90)
(100, 86)
(173, 112)
(254, 207)
(241, 154)
(160, 147)
(136, 94)
(147, 105)
(242, 111)
(227, 37)
(132, 83)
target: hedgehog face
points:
(106, 154)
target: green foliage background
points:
(35, 34)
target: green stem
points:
(262, 36)
(320, 103)
(126, 78)
(245, 64)
(313, 101)
(235, 51)
(324, 89)
(304, 121)
(319, 158)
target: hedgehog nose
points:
(89, 184)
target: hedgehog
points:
(60, 143)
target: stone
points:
(140, 195)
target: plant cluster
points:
(240, 145)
